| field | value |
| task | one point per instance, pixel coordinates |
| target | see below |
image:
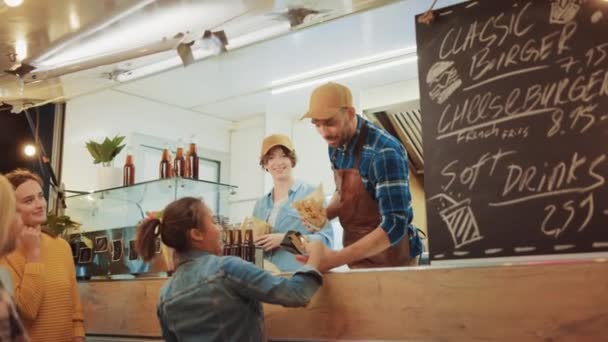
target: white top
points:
(272, 219)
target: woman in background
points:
(11, 328)
(210, 297)
(278, 158)
(42, 270)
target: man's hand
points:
(318, 256)
(371, 244)
(79, 339)
(270, 241)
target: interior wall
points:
(245, 139)
(109, 113)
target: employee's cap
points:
(275, 140)
(327, 100)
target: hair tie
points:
(158, 216)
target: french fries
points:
(311, 208)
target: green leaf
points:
(107, 150)
(58, 224)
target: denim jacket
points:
(289, 219)
(213, 298)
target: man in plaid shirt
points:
(372, 199)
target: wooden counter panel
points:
(562, 302)
(121, 307)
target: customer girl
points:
(215, 298)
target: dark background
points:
(15, 133)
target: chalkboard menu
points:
(514, 99)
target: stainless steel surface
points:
(112, 254)
(35, 26)
(108, 37)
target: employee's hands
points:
(310, 227)
(79, 339)
(269, 241)
(318, 255)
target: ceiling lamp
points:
(13, 3)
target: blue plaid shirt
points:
(384, 171)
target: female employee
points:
(278, 158)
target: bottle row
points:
(239, 243)
(184, 165)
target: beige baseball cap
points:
(275, 140)
(327, 100)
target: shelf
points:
(126, 206)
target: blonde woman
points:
(42, 270)
(11, 328)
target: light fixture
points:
(74, 20)
(161, 66)
(279, 28)
(206, 48)
(20, 49)
(13, 3)
(29, 150)
(343, 70)
(404, 52)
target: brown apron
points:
(359, 215)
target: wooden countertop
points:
(543, 302)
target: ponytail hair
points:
(145, 243)
(173, 228)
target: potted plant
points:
(61, 225)
(104, 153)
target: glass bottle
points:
(179, 163)
(226, 242)
(248, 248)
(228, 247)
(192, 162)
(238, 241)
(166, 167)
(128, 171)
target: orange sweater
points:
(46, 293)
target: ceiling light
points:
(13, 3)
(210, 45)
(29, 150)
(345, 70)
(149, 69)
(404, 52)
(74, 20)
(259, 35)
(161, 66)
(20, 49)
